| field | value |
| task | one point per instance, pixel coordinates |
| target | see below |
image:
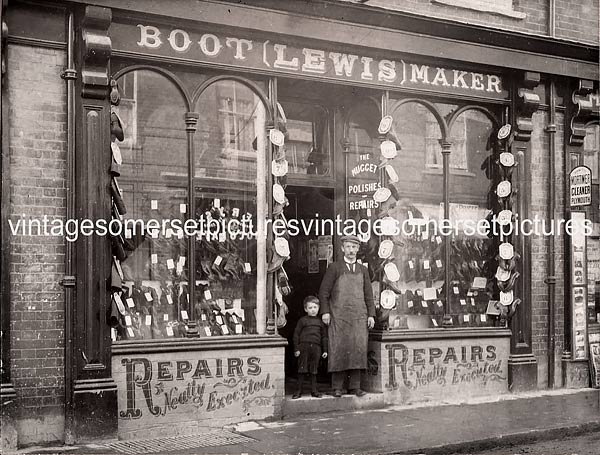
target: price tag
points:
(479, 282)
(169, 299)
(179, 269)
(222, 237)
(203, 317)
(429, 293)
(182, 208)
(148, 296)
(153, 204)
(130, 302)
(219, 319)
(127, 319)
(424, 303)
(119, 303)
(483, 318)
(218, 260)
(170, 264)
(179, 233)
(426, 265)
(225, 330)
(247, 267)
(410, 215)
(181, 260)
(369, 213)
(235, 212)
(455, 289)
(207, 331)
(154, 233)
(438, 239)
(439, 264)
(439, 303)
(148, 319)
(154, 258)
(128, 234)
(165, 317)
(184, 314)
(217, 203)
(411, 264)
(424, 235)
(466, 318)
(168, 233)
(130, 332)
(170, 331)
(463, 302)
(435, 324)
(469, 293)
(472, 301)
(410, 304)
(113, 334)
(238, 329)
(207, 295)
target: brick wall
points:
(539, 151)
(575, 20)
(37, 140)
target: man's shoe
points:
(316, 394)
(358, 392)
(337, 393)
(296, 395)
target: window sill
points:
(198, 344)
(466, 4)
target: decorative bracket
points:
(96, 49)
(527, 103)
(587, 108)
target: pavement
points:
(408, 430)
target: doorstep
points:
(328, 403)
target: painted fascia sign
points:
(275, 56)
(580, 186)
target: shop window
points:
(154, 181)
(417, 204)
(591, 155)
(229, 186)
(307, 145)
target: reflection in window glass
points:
(154, 301)
(229, 184)
(468, 197)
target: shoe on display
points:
(357, 392)
(337, 393)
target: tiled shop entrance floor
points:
(174, 443)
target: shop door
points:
(306, 267)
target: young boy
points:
(310, 344)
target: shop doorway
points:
(305, 268)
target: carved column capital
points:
(96, 49)
(585, 108)
(527, 103)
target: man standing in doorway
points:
(348, 310)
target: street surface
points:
(587, 444)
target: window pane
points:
(417, 254)
(307, 145)
(469, 204)
(229, 187)
(153, 180)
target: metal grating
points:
(174, 443)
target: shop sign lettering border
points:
(274, 56)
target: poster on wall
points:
(579, 332)
(595, 359)
(363, 180)
(580, 186)
(313, 256)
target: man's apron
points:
(348, 333)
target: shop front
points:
(235, 156)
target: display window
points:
(414, 268)
(163, 256)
